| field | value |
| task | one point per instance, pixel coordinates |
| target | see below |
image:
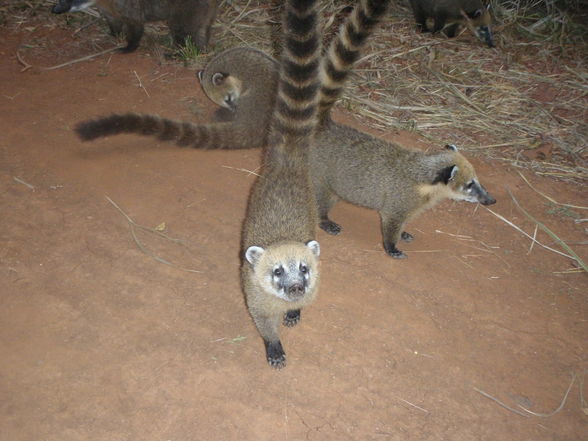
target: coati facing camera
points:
(449, 15)
(253, 81)
(280, 272)
(345, 163)
(185, 18)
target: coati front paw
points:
(330, 227)
(407, 237)
(393, 251)
(291, 318)
(276, 357)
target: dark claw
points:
(291, 318)
(407, 237)
(275, 354)
(330, 227)
(393, 251)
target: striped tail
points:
(201, 136)
(294, 118)
(345, 50)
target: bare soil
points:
(100, 341)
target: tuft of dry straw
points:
(564, 245)
(526, 412)
(497, 102)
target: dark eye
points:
(278, 272)
(303, 268)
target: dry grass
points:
(525, 103)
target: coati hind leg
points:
(440, 20)
(134, 32)
(325, 201)
(291, 318)
(114, 25)
(451, 30)
(391, 233)
(420, 17)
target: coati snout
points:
(463, 183)
(449, 15)
(71, 6)
(482, 18)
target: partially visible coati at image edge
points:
(185, 18)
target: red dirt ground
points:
(99, 341)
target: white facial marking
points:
(314, 247)
(80, 6)
(454, 171)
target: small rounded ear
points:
(445, 175)
(453, 173)
(218, 78)
(451, 147)
(314, 247)
(478, 13)
(253, 254)
(200, 74)
(488, 6)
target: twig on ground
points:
(78, 60)
(553, 201)
(20, 181)
(141, 84)
(250, 172)
(564, 245)
(500, 403)
(560, 407)
(520, 230)
(133, 224)
(26, 65)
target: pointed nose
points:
(485, 34)
(296, 290)
(488, 200)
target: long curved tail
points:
(345, 49)
(295, 111)
(185, 134)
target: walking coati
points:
(449, 15)
(185, 18)
(280, 271)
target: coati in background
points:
(185, 18)
(280, 272)
(253, 81)
(344, 163)
(449, 15)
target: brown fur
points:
(185, 18)
(398, 182)
(251, 71)
(278, 232)
(350, 165)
